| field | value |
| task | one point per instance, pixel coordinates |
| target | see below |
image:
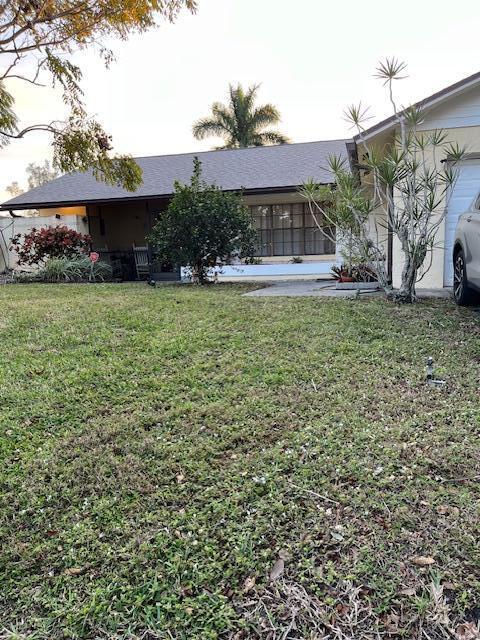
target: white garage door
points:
(465, 190)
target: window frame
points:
(268, 247)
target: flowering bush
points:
(39, 245)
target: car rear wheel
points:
(461, 291)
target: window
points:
(288, 230)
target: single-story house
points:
(269, 177)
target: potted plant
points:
(343, 273)
(358, 275)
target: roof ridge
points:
(269, 146)
(419, 104)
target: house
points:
(269, 177)
(456, 111)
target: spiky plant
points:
(240, 123)
(405, 195)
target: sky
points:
(312, 58)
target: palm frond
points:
(273, 137)
(265, 115)
(239, 122)
(206, 127)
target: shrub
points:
(39, 245)
(203, 227)
(77, 269)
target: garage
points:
(465, 190)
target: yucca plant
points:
(406, 193)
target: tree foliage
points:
(38, 174)
(203, 227)
(38, 245)
(404, 191)
(240, 123)
(14, 189)
(37, 39)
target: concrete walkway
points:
(326, 289)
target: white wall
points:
(10, 227)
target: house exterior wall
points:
(468, 137)
(460, 118)
(116, 227)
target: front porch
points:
(289, 243)
(119, 234)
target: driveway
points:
(326, 289)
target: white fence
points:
(9, 227)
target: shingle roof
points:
(257, 168)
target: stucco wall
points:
(468, 137)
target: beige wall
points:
(123, 225)
(468, 137)
(63, 211)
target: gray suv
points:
(466, 256)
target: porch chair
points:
(141, 261)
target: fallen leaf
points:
(180, 478)
(74, 571)
(422, 561)
(336, 536)
(342, 609)
(444, 509)
(391, 621)
(467, 631)
(249, 584)
(277, 569)
(408, 592)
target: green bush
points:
(203, 227)
(79, 269)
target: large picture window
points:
(289, 230)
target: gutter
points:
(163, 196)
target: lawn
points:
(186, 463)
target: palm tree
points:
(240, 123)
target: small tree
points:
(203, 227)
(37, 41)
(39, 174)
(407, 194)
(37, 246)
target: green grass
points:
(161, 447)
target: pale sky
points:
(312, 58)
